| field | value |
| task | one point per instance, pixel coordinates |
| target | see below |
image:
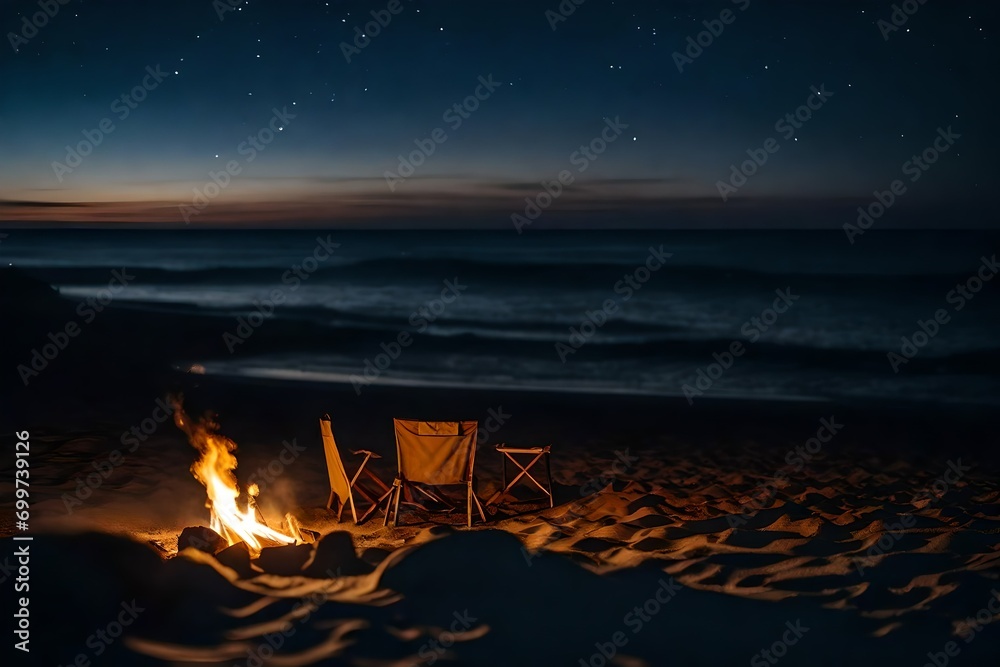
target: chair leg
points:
(524, 471)
(473, 499)
(385, 498)
(329, 501)
(433, 496)
(381, 485)
(340, 509)
(395, 511)
(479, 505)
(499, 495)
(354, 512)
(393, 501)
(361, 469)
(548, 474)
(388, 507)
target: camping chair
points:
(343, 487)
(537, 454)
(434, 454)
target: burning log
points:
(202, 539)
(335, 556)
(308, 536)
(286, 560)
(159, 546)
(237, 558)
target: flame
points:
(214, 469)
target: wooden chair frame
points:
(539, 454)
(403, 486)
(354, 487)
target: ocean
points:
(898, 316)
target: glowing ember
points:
(214, 469)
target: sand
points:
(663, 548)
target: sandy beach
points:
(739, 528)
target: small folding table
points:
(538, 454)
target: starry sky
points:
(311, 104)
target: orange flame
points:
(214, 469)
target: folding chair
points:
(341, 486)
(538, 454)
(433, 454)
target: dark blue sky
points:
(559, 89)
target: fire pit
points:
(232, 514)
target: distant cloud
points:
(472, 204)
(17, 204)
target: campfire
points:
(233, 516)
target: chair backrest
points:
(340, 483)
(436, 452)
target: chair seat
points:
(504, 449)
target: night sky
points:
(226, 71)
